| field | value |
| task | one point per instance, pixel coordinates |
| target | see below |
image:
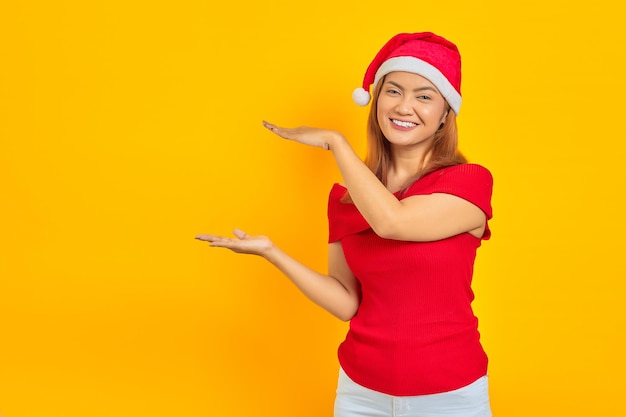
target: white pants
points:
(353, 400)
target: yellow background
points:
(128, 127)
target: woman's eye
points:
(423, 97)
(392, 91)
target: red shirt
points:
(414, 332)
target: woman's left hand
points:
(312, 136)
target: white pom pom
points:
(361, 97)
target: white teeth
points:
(403, 124)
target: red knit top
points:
(414, 332)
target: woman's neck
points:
(405, 165)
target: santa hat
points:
(426, 54)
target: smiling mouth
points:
(403, 124)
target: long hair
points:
(444, 151)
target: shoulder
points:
(474, 171)
(472, 182)
(462, 175)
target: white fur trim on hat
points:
(426, 70)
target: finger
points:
(226, 243)
(207, 238)
(240, 234)
(269, 125)
(282, 132)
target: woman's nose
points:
(404, 107)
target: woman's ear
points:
(443, 118)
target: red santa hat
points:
(426, 54)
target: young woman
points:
(404, 228)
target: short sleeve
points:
(343, 217)
(470, 182)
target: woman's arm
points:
(416, 218)
(338, 292)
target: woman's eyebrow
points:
(426, 87)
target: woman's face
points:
(410, 109)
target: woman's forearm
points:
(375, 203)
(324, 290)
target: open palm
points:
(242, 243)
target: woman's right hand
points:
(242, 243)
